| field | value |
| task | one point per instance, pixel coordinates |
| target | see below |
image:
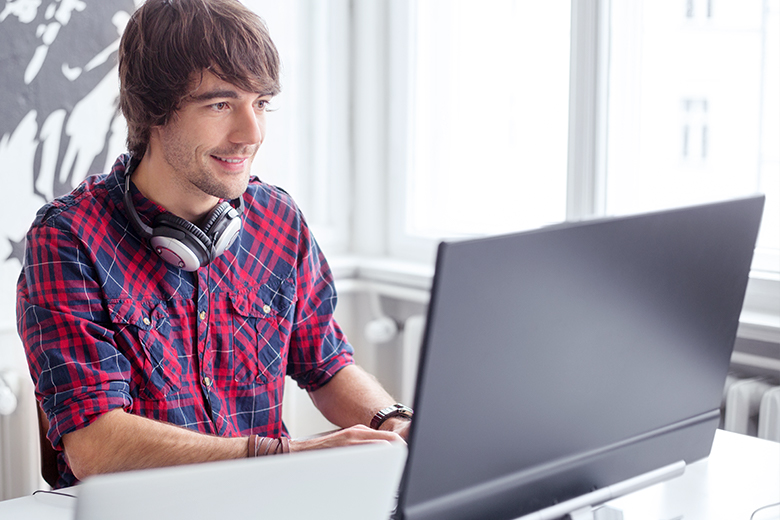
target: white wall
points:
(58, 124)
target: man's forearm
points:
(119, 441)
(352, 397)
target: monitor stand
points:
(584, 507)
(597, 513)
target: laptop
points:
(351, 483)
(574, 360)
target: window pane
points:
(490, 116)
(694, 110)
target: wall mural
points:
(59, 121)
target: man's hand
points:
(398, 425)
(351, 436)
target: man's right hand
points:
(359, 434)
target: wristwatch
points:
(397, 410)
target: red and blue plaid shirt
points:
(107, 324)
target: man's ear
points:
(154, 137)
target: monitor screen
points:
(567, 359)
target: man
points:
(162, 304)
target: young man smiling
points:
(205, 151)
(161, 305)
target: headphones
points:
(182, 243)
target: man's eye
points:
(220, 106)
(263, 104)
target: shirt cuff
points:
(77, 409)
(317, 378)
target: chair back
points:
(49, 469)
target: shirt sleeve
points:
(318, 347)
(78, 372)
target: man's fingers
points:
(354, 435)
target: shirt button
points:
(202, 315)
(207, 382)
(266, 309)
(146, 321)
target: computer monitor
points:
(571, 359)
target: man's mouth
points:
(229, 160)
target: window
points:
(694, 108)
(490, 117)
(688, 91)
(577, 109)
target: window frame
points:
(307, 149)
(587, 134)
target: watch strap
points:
(396, 410)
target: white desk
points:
(741, 475)
(42, 506)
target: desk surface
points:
(741, 475)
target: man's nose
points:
(248, 126)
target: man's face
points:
(210, 142)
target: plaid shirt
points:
(106, 324)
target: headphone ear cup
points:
(180, 242)
(222, 227)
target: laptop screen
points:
(562, 360)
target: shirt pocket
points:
(261, 332)
(143, 336)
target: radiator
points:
(9, 389)
(384, 329)
(19, 448)
(751, 406)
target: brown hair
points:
(167, 43)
